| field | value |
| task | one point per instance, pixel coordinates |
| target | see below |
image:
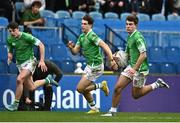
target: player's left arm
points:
(38, 43)
(140, 60)
(108, 52)
(142, 50)
(41, 61)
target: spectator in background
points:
(105, 6)
(119, 6)
(28, 3)
(132, 6)
(76, 5)
(156, 6)
(55, 5)
(144, 6)
(6, 9)
(176, 7)
(169, 7)
(50, 4)
(32, 16)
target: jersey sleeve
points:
(9, 46)
(33, 40)
(141, 45)
(79, 41)
(94, 38)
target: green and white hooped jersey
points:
(135, 45)
(90, 48)
(23, 47)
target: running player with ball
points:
(137, 69)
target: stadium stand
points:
(3, 52)
(49, 17)
(162, 37)
(173, 54)
(158, 17)
(59, 52)
(19, 7)
(96, 15)
(3, 35)
(3, 21)
(72, 26)
(156, 54)
(172, 17)
(167, 68)
(124, 15)
(178, 68)
(47, 35)
(111, 15)
(12, 69)
(154, 68)
(67, 66)
(62, 14)
(3, 66)
(78, 14)
(143, 17)
(47, 13)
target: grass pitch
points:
(42, 116)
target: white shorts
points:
(94, 72)
(139, 79)
(28, 65)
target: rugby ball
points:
(121, 58)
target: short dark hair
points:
(12, 25)
(89, 19)
(36, 3)
(133, 18)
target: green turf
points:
(38, 116)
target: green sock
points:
(46, 81)
(16, 101)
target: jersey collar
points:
(88, 32)
(133, 32)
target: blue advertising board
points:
(66, 98)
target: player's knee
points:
(135, 96)
(80, 90)
(19, 80)
(117, 90)
(32, 88)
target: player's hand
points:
(70, 44)
(131, 71)
(9, 61)
(116, 59)
(43, 66)
(28, 101)
(114, 66)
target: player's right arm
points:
(74, 48)
(10, 56)
(10, 52)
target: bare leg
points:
(120, 85)
(122, 82)
(21, 78)
(81, 88)
(139, 92)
